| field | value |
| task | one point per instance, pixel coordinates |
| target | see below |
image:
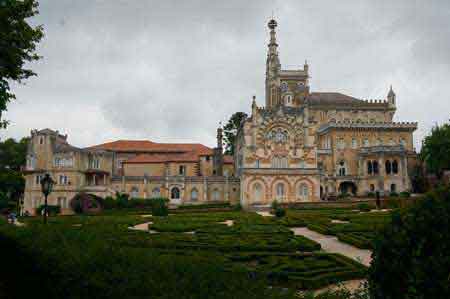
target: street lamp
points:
(47, 188)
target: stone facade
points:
(184, 173)
(307, 146)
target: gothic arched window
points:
(175, 193)
(280, 190)
(388, 167)
(194, 194)
(395, 167)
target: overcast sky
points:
(171, 70)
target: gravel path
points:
(333, 245)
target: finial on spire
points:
(272, 24)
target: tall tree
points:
(12, 158)
(436, 149)
(18, 40)
(230, 131)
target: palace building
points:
(302, 146)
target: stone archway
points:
(348, 187)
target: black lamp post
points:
(47, 187)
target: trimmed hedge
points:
(52, 210)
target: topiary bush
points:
(122, 200)
(159, 206)
(405, 194)
(393, 194)
(86, 203)
(280, 212)
(411, 255)
(371, 194)
(364, 207)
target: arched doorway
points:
(257, 193)
(347, 187)
(175, 195)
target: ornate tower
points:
(273, 68)
(391, 97)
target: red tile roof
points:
(152, 147)
(162, 158)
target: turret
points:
(391, 97)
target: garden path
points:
(333, 245)
(143, 227)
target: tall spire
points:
(273, 67)
(273, 61)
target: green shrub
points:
(109, 203)
(405, 194)
(206, 206)
(411, 255)
(86, 203)
(237, 207)
(159, 206)
(122, 200)
(52, 210)
(392, 203)
(371, 194)
(364, 207)
(393, 194)
(343, 195)
(280, 212)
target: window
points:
(388, 167)
(194, 194)
(354, 143)
(31, 162)
(35, 202)
(372, 187)
(302, 164)
(175, 193)
(257, 192)
(134, 192)
(216, 195)
(391, 142)
(257, 163)
(63, 180)
(156, 192)
(379, 141)
(342, 169)
(207, 158)
(38, 179)
(402, 142)
(393, 188)
(280, 190)
(181, 170)
(366, 142)
(303, 191)
(279, 162)
(120, 163)
(369, 167)
(375, 167)
(62, 202)
(284, 86)
(94, 163)
(395, 167)
(41, 140)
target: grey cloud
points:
(171, 70)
